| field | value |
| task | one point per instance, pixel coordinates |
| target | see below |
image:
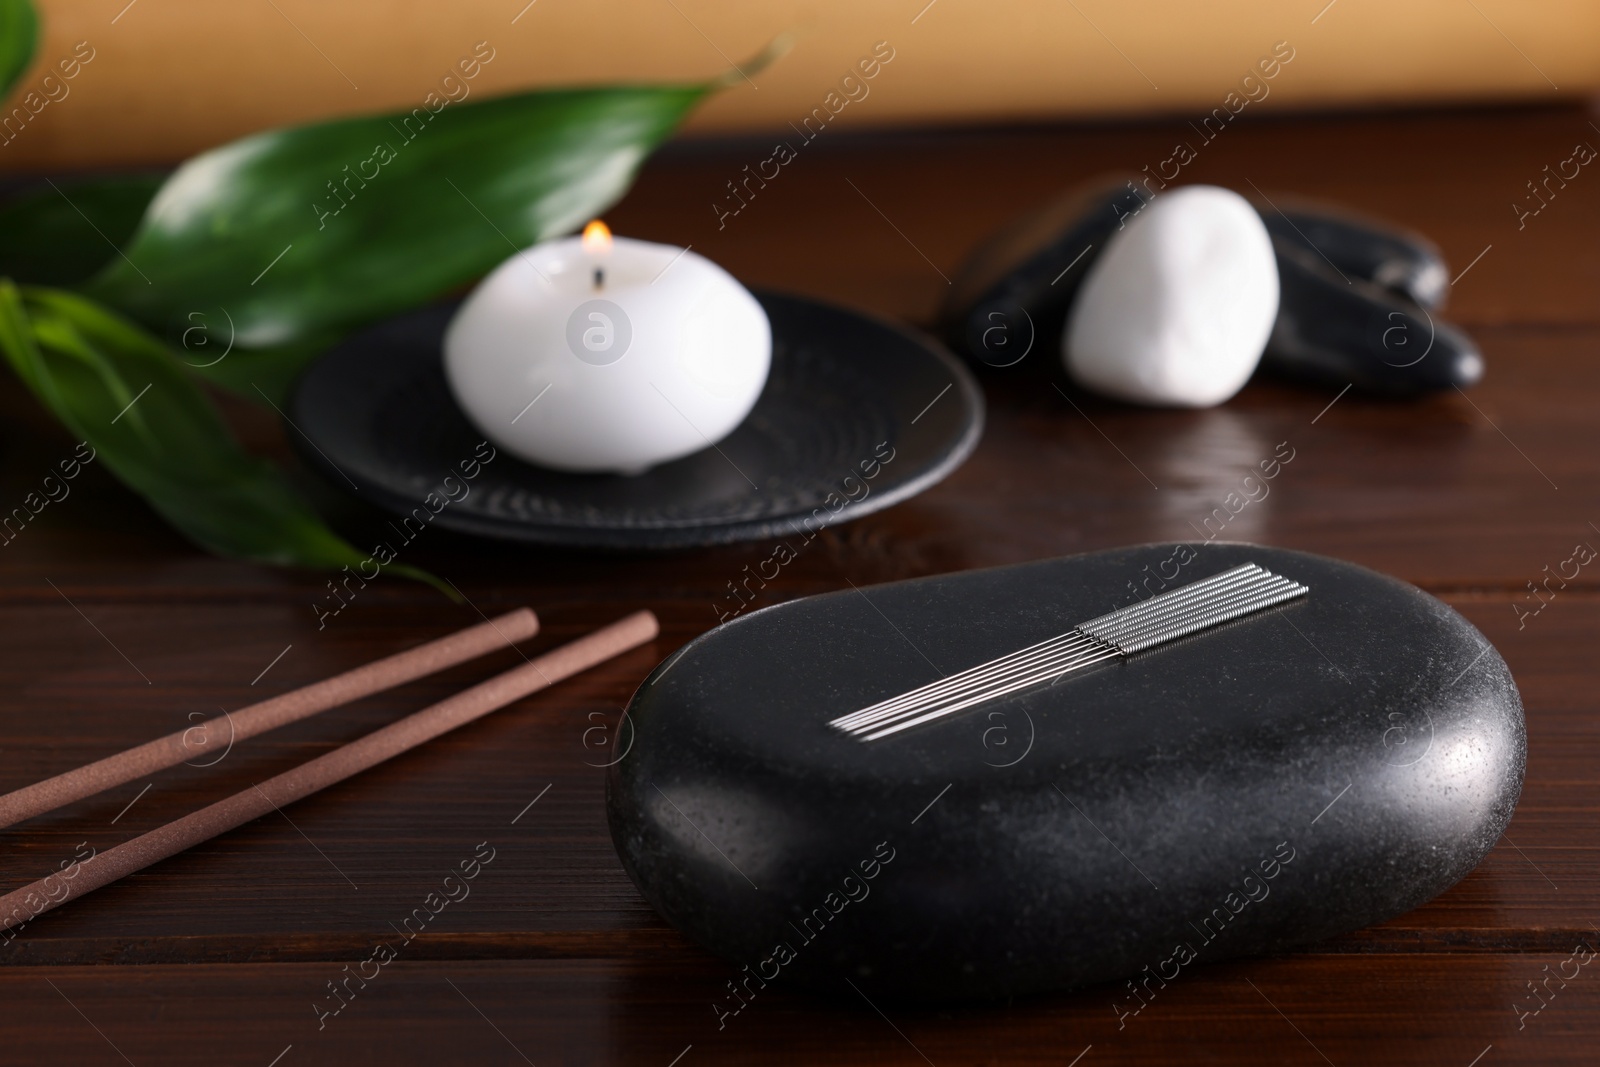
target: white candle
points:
(596, 354)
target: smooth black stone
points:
(1335, 331)
(1008, 302)
(1399, 260)
(1364, 746)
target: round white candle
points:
(596, 354)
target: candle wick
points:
(599, 277)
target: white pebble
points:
(1177, 309)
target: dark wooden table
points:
(113, 630)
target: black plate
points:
(376, 412)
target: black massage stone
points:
(1293, 775)
(1338, 330)
(1008, 303)
(1401, 261)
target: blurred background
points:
(171, 77)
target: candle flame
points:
(597, 238)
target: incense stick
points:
(1233, 594)
(33, 899)
(231, 727)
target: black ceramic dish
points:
(857, 414)
(1289, 776)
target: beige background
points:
(171, 77)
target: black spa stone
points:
(1008, 302)
(1338, 330)
(1404, 262)
(1290, 776)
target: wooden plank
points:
(340, 866)
(1306, 1010)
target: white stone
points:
(1178, 307)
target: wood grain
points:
(115, 630)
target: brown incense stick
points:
(38, 897)
(216, 734)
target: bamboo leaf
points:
(119, 389)
(63, 233)
(19, 36)
(303, 233)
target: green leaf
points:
(119, 389)
(301, 233)
(64, 232)
(19, 36)
(250, 372)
